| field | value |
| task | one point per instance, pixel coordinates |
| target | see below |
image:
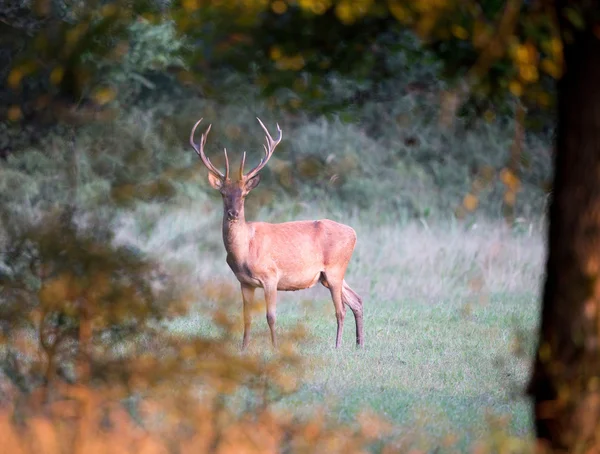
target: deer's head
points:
(234, 192)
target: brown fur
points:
(288, 256)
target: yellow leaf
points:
(14, 78)
(190, 5)
(544, 352)
(296, 63)
(14, 113)
(515, 88)
(489, 115)
(526, 54)
(510, 198)
(556, 46)
(343, 11)
(528, 73)
(400, 12)
(509, 179)
(279, 7)
(470, 202)
(319, 7)
(460, 32)
(275, 53)
(521, 54)
(551, 68)
(57, 75)
(104, 95)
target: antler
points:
(269, 149)
(200, 152)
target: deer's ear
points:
(215, 181)
(252, 183)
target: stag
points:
(288, 256)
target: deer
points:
(287, 256)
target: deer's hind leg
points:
(355, 303)
(334, 282)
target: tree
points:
(566, 379)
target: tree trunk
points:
(566, 381)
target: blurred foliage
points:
(330, 164)
(86, 356)
(89, 62)
(68, 63)
(302, 47)
(297, 51)
(93, 60)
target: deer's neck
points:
(236, 236)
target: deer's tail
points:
(355, 303)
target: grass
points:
(450, 312)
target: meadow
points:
(450, 318)
(451, 305)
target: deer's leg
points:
(355, 303)
(335, 287)
(248, 297)
(271, 300)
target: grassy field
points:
(450, 313)
(450, 306)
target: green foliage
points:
(297, 50)
(115, 163)
(152, 50)
(292, 52)
(51, 282)
(396, 160)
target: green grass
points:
(439, 354)
(426, 363)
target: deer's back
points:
(309, 244)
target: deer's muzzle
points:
(232, 215)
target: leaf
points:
(470, 202)
(14, 113)
(104, 95)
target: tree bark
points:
(566, 380)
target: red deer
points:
(287, 256)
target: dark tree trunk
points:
(566, 379)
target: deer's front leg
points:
(334, 282)
(248, 297)
(271, 300)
